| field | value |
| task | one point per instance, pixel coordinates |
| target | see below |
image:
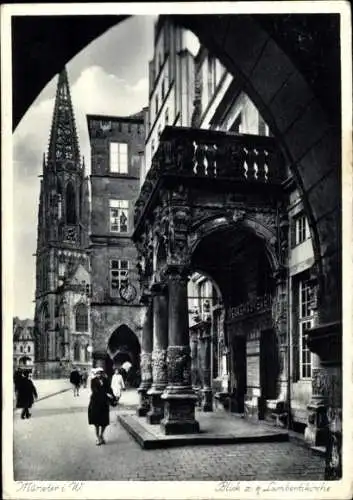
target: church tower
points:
(62, 319)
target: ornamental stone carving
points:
(179, 365)
(320, 382)
(159, 366)
(146, 366)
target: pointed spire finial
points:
(63, 141)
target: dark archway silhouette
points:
(123, 346)
(70, 204)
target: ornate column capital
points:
(176, 272)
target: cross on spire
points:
(63, 142)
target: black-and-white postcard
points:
(176, 250)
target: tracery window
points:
(81, 318)
(70, 204)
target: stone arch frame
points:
(134, 344)
(213, 224)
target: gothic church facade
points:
(62, 297)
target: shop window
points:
(305, 323)
(119, 216)
(118, 157)
(119, 274)
(81, 318)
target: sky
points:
(109, 76)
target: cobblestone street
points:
(57, 444)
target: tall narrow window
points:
(70, 204)
(76, 351)
(118, 157)
(302, 232)
(119, 273)
(81, 318)
(119, 216)
(305, 323)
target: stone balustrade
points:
(212, 155)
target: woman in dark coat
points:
(98, 408)
(26, 392)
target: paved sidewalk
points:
(57, 444)
(215, 428)
(47, 388)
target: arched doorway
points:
(244, 273)
(123, 347)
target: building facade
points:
(117, 145)
(171, 84)
(23, 343)
(221, 105)
(62, 297)
(249, 307)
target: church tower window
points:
(70, 204)
(81, 318)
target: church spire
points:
(63, 142)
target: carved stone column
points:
(207, 403)
(146, 359)
(159, 354)
(193, 346)
(179, 397)
(316, 430)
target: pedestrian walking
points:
(117, 384)
(84, 378)
(98, 409)
(17, 378)
(75, 380)
(26, 393)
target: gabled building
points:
(23, 343)
(62, 297)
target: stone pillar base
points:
(144, 405)
(207, 400)
(156, 413)
(316, 432)
(179, 412)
